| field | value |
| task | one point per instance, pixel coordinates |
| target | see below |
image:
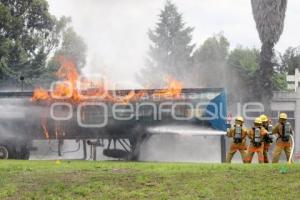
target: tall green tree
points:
(279, 81)
(73, 48)
(28, 33)
(269, 16)
(170, 50)
(290, 60)
(243, 64)
(210, 60)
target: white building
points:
(293, 81)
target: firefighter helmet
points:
(239, 119)
(283, 116)
(264, 118)
(257, 121)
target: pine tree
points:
(73, 48)
(170, 51)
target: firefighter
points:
(256, 135)
(268, 140)
(238, 134)
(283, 130)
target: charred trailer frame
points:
(127, 124)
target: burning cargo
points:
(129, 124)
(78, 109)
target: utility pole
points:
(22, 78)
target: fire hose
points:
(292, 151)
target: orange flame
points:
(173, 90)
(40, 94)
(67, 88)
(45, 131)
(74, 88)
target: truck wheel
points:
(136, 147)
(4, 152)
(115, 153)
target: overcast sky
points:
(116, 30)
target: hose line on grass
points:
(292, 151)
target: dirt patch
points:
(123, 171)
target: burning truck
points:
(87, 112)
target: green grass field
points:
(127, 180)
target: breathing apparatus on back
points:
(238, 138)
(286, 132)
(268, 138)
(238, 134)
(268, 126)
(257, 140)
